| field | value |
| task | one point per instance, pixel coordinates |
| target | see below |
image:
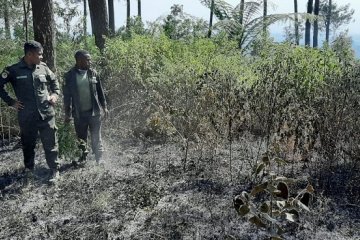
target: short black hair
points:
(31, 46)
(80, 53)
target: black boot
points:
(83, 156)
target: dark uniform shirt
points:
(32, 87)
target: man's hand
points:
(106, 113)
(67, 120)
(53, 99)
(18, 105)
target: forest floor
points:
(145, 192)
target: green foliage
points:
(291, 83)
(276, 208)
(10, 52)
(340, 15)
(15, 18)
(65, 13)
(67, 140)
(250, 27)
(342, 47)
(164, 69)
(221, 8)
(179, 25)
(136, 27)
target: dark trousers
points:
(30, 126)
(83, 124)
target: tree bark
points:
(128, 15)
(99, 22)
(6, 19)
(44, 29)
(111, 16)
(139, 9)
(316, 23)
(211, 17)
(85, 23)
(328, 22)
(264, 16)
(85, 17)
(241, 14)
(297, 38)
(307, 23)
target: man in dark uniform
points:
(36, 89)
(83, 99)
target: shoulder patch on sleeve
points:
(5, 74)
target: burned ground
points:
(145, 193)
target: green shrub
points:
(276, 208)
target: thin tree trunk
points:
(139, 9)
(328, 22)
(297, 37)
(44, 29)
(128, 15)
(211, 17)
(307, 23)
(264, 16)
(6, 19)
(99, 21)
(316, 24)
(85, 23)
(26, 9)
(111, 16)
(241, 13)
(241, 21)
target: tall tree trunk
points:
(44, 29)
(297, 37)
(85, 22)
(6, 19)
(241, 13)
(316, 23)
(99, 21)
(328, 22)
(128, 15)
(211, 17)
(26, 9)
(264, 16)
(241, 21)
(139, 9)
(307, 23)
(111, 16)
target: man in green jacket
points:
(36, 89)
(83, 100)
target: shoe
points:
(98, 158)
(55, 176)
(29, 176)
(83, 156)
(99, 161)
(74, 163)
